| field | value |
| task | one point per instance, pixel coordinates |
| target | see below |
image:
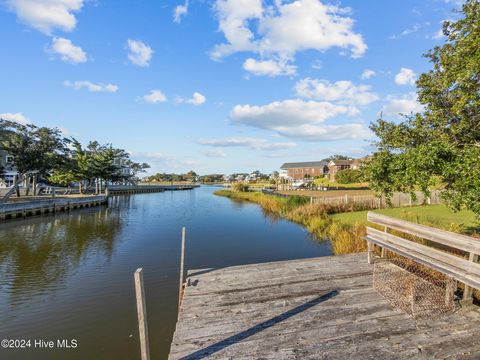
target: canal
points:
(70, 276)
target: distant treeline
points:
(190, 176)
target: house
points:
(123, 167)
(304, 170)
(335, 166)
(8, 171)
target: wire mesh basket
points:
(413, 288)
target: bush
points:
(348, 176)
(240, 187)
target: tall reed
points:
(344, 238)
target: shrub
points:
(240, 187)
(348, 176)
(295, 201)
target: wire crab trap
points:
(415, 289)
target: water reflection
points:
(39, 255)
(70, 275)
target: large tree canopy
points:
(34, 149)
(441, 145)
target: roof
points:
(342, 162)
(307, 164)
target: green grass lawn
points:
(435, 215)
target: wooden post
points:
(142, 314)
(384, 251)
(182, 256)
(34, 185)
(370, 253)
(311, 200)
(468, 290)
(450, 291)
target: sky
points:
(217, 86)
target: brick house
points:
(304, 170)
(335, 166)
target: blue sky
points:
(220, 85)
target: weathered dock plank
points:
(321, 308)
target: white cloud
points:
(90, 86)
(317, 65)
(47, 15)
(288, 113)
(163, 162)
(269, 67)
(252, 143)
(326, 132)
(15, 117)
(139, 53)
(407, 32)
(404, 104)
(284, 28)
(179, 12)
(405, 77)
(343, 92)
(67, 51)
(300, 119)
(438, 35)
(196, 99)
(154, 97)
(214, 153)
(367, 74)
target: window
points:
(9, 159)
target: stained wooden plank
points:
(448, 238)
(457, 268)
(322, 308)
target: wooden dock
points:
(143, 189)
(320, 308)
(23, 209)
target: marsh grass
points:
(344, 238)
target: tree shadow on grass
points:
(200, 354)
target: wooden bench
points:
(460, 269)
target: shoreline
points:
(344, 238)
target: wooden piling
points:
(182, 256)
(142, 314)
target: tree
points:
(441, 144)
(35, 150)
(135, 169)
(348, 176)
(336, 157)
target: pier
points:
(142, 189)
(15, 210)
(318, 308)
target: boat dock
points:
(320, 308)
(142, 189)
(19, 209)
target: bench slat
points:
(444, 268)
(457, 241)
(426, 250)
(460, 269)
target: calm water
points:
(70, 276)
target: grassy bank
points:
(345, 238)
(344, 224)
(438, 216)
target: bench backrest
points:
(447, 238)
(466, 271)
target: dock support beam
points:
(468, 290)
(182, 257)
(142, 315)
